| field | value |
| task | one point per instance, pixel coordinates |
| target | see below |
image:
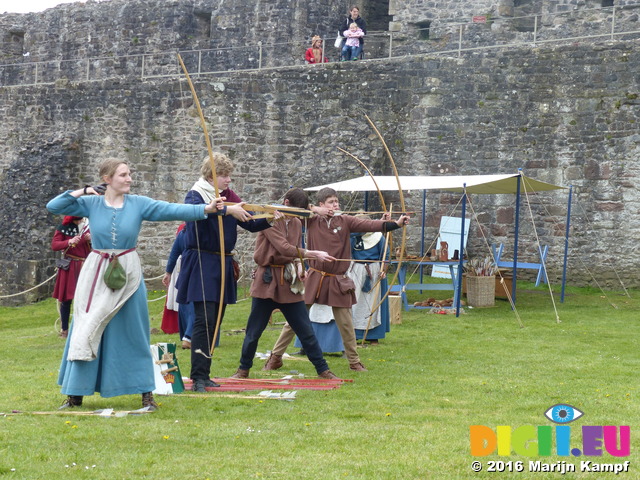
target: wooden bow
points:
(382, 203)
(403, 212)
(376, 286)
(203, 123)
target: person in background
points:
(353, 17)
(369, 257)
(107, 350)
(314, 52)
(351, 49)
(278, 285)
(185, 311)
(75, 245)
(200, 270)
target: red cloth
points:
(169, 323)
(170, 319)
(70, 219)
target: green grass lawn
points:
(407, 418)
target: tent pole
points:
(566, 245)
(515, 244)
(461, 252)
(424, 216)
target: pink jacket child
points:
(352, 47)
(353, 35)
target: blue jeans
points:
(186, 314)
(350, 53)
(297, 317)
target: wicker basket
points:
(481, 291)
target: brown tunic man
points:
(326, 282)
(275, 286)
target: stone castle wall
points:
(567, 115)
(248, 34)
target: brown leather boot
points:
(328, 375)
(147, 401)
(358, 367)
(240, 373)
(71, 401)
(274, 362)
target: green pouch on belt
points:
(115, 277)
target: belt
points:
(324, 274)
(74, 257)
(281, 272)
(210, 251)
(105, 256)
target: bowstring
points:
(195, 224)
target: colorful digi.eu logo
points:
(531, 441)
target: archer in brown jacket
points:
(277, 285)
(327, 282)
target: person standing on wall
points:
(353, 17)
(353, 45)
(314, 52)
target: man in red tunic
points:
(277, 285)
(75, 245)
(327, 282)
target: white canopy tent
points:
(489, 184)
(482, 184)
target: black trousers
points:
(65, 312)
(204, 325)
(297, 317)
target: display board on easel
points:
(450, 228)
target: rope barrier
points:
(156, 299)
(32, 288)
(54, 276)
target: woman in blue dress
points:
(108, 350)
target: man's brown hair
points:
(297, 198)
(325, 193)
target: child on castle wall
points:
(353, 46)
(314, 52)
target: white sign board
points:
(450, 233)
